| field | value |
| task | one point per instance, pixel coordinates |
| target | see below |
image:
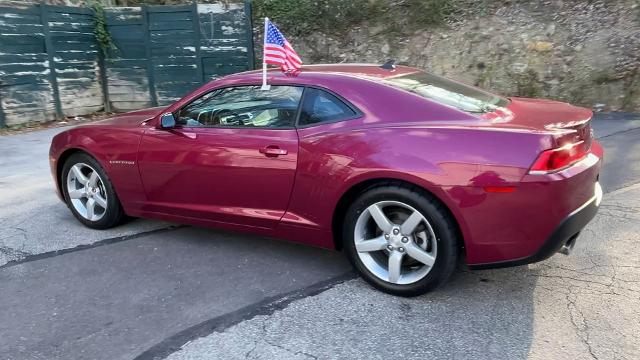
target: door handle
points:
(273, 151)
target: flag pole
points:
(265, 86)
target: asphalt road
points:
(148, 288)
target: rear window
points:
(447, 92)
(320, 106)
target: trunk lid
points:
(543, 115)
(539, 114)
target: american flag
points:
(278, 51)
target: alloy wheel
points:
(86, 191)
(395, 242)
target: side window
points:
(320, 106)
(245, 106)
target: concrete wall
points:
(51, 65)
(582, 51)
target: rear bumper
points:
(563, 237)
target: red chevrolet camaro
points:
(402, 169)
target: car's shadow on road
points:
(120, 299)
(485, 314)
(151, 294)
(479, 314)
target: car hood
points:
(132, 118)
(539, 114)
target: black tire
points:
(114, 214)
(435, 213)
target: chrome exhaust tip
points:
(568, 246)
(565, 249)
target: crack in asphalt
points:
(14, 230)
(247, 355)
(220, 323)
(624, 208)
(579, 321)
(13, 253)
(619, 211)
(264, 339)
(611, 286)
(582, 330)
(34, 257)
(617, 133)
(572, 290)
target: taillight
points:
(553, 160)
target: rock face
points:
(584, 52)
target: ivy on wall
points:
(100, 31)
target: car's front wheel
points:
(401, 240)
(89, 194)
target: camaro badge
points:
(122, 162)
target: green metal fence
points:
(51, 66)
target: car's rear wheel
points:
(89, 194)
(401, 240)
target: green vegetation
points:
(103, 37)
(334, 17)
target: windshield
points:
(447, 92)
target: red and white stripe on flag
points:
(278, 51)
(283, 56)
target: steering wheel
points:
(217, 114)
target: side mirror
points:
(167, 121)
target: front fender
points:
(115, 149)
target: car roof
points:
(351, 70)
(355, 83)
